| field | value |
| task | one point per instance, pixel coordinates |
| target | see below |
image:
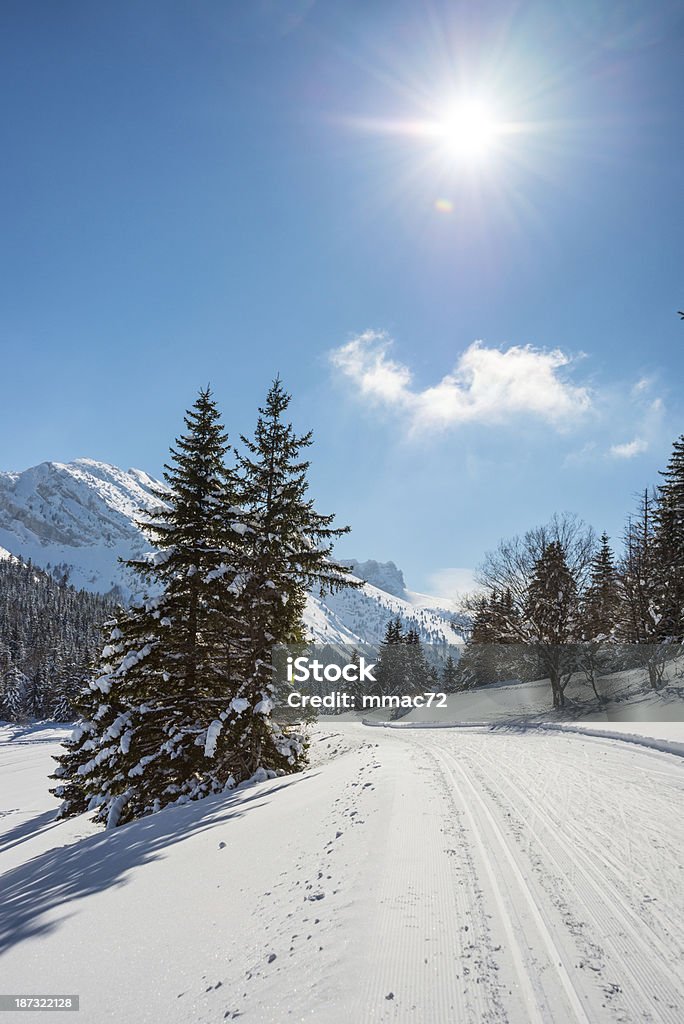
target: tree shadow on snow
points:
(56, 879)
(27, 830)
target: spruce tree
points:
(287, 550)
(669, 545)
(601, 606)
(552, 613)
(415, 664)
(450, 676)
(640, 577)
(166, 671)
(489, 653)
(390, 669)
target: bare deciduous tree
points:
(513, 568)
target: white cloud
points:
(629, 449)
(451, 583)
(487, 385)
(642, 385)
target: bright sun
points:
(468, 130)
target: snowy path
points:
(410, 875)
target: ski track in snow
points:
(565, 878)
(428, 876)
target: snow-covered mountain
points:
(76, 517)
(353, 615)
(384, 575)
(80, 518)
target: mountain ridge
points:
(77, 519)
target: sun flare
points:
(469, 130)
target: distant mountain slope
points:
(78, 518)
(365, 613)
(383, 575)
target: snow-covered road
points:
(410, 875)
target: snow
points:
(238, 705)
(213, 733)
(409, 875)
(79, 515)
(263, 707)
(632, 701)
(383, 575)
(116, 809)
(358, 616)
(83, 516)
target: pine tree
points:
(640, 578)
(167, 670)
(450, 676)
(669, 545)
(49, 635)
(601, 606)
(390, 669)
(13, 702)
(287, 551)
(415, 665)
(489, 653)
(552, 613)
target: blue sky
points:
(219, 191)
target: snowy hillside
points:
(79, 517)
(363, 614)
(627, 698)
(414, 876)
(76, 517)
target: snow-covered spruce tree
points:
(416, 668)
(391, 666)
(601, 604)
(167, 669)
(491, 651)
(287, 550)
(669, 546)
(600, 615)
(12, 699)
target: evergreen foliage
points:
(601, 604)
(640, 617)
(401, 667)
(450, 678)
(553, 589)
(181, 704)
(50, 635)
(286, 551)
(669, 546)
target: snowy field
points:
(425, 875)
(628, 700)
